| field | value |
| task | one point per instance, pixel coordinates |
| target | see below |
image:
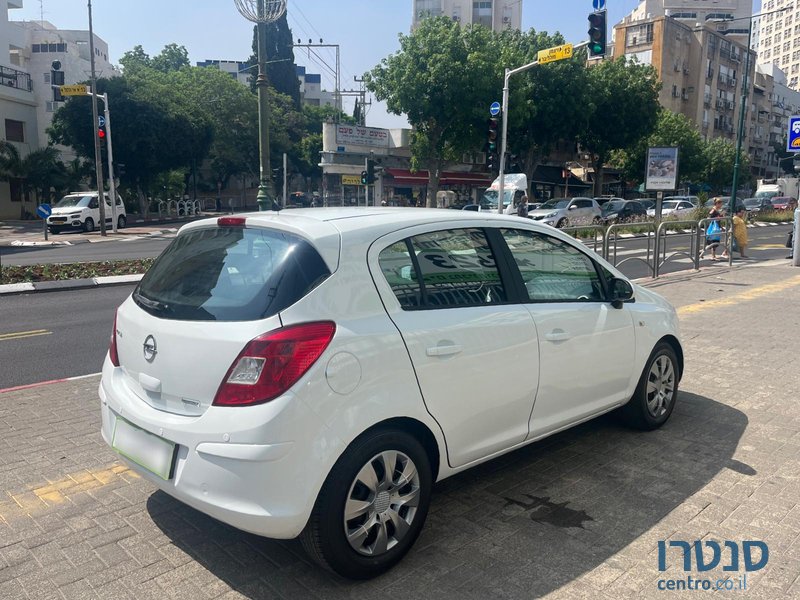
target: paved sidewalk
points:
(578, 515)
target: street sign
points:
(793, 135)
(44, 210)
(598, 4)
(494, 109)
(101, 121)
(555, 53)
(74, 90)
(351, 180)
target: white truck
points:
(513, 183)
(783, 186)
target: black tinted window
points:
(230, 274)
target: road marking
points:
(753, 294)
(23, 334)
(42, 497)
(40, 383)
(767, 247)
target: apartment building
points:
(700, 12)
(778, 40)
(702, 69)
(494, 14)
(18, 118)
(237, 69)
(311, 91)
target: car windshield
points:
(555, 204)
(751, 202)
(766, 194)
(671, 204)
(230, 274)
(612, 207)
(68, 201)
(779, 200)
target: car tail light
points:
(231, 222)
(272, 363)
(112, 345)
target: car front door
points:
(586, 345)
(474, 349)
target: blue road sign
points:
(793, 135)
(101, 121)
(598, 4)
(44, 210)
(494, 109)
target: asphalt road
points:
(45, 336)
(88, 252)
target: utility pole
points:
(98, 163)
(336, 72)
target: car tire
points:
(54, 230)
(562, 223)
(654, 399)
(597, 221)
(88, 225)
(121, 222)
(391, 526)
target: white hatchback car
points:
(313, 372)
(567, 212)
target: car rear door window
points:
(553, 270)
(449, 268)
(230, 274)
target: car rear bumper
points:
(262, 477)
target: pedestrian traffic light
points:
(597, 34)
(364, 178)
(492, 162)
(370, 171)
(56, 80)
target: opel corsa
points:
(313, 372)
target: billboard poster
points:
(354, 135)
(662, 169)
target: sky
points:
(366, 30)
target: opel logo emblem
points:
(149, 347)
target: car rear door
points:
(473, 347)
(586, 346)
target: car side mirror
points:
(572, 207)
(621, 291)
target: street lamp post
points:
(262, 12)
(743, 104)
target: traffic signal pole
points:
(112, 186)
(98, 161)
(504, 127)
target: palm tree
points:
(9, 161)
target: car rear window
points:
(230, 274)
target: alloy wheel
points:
(660, 386)
(382, 503)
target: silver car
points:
(566, 212)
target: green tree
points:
(622, 108)
(135, 59)
(442, 79)
(546, 103)
(785, 159)
(281, 69)
(720, 156)
(172, 58)
(672, 129)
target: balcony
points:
(13, 78)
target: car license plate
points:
(144, 448)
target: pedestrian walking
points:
(740, 232)
(714, 230)
(522, 207)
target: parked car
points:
(563, 212)
(758, 205)
(81, 210)
(675, 208)
(646, 202)
(692, 199)
(726, 203)
(333, 356)
(602, 200)
(622, 211)
(783, 202)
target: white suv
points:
(567, 212)
(313, 372)
(80, 210)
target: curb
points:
(67, 284)
(124, 238)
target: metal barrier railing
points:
(661, 243)
(651, 234)
(595, 229)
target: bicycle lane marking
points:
(752, 294)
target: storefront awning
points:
(404, 177)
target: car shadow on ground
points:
(519, 526)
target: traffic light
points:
(56, 80)
(493, 135)
(101, 129)
(597, 34)
(370, 171)
(364, 178)
(492, 162)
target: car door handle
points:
(444, 350)
(558, 335)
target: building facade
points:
(700, 12)
(18, 116)
(778, 40)
(494, 14)
(240, 71)
(311, 91)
